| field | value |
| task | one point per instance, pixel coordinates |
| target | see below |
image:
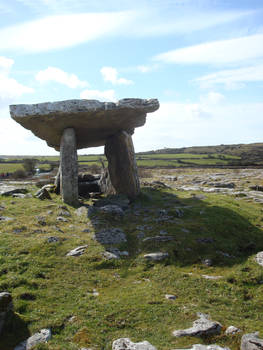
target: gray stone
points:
(203, 326)
(19, 195)
(6, 308)
(207, 277)
(110, 256)
(207, 262)
(61, 219)
(232, 330)
(251, 341)
(159, 239)
(5, 218)
(205, 347)
(53, 239)
(111, 210)
(77, 251)
(41, 337)
(110, 236)
(8, 190)
(122, 165)
(69, 167)
(127, 344)
(259, 258)
(170, 296)
(42, 194)
(82, 211)
(94, 122)
(64, 213)
(156, 256)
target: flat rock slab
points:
(251, 341)
(127, 344)
(7, 190)
(201, 327)
(205, 347)
(41, 337)
(92, 120)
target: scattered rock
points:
(110, 256)
(156, 256)
(158, 239)
(53, 239)
(19, 195)
(205, 347)
(114, 253)
(207, 262)
(127, 344)
(41, 337)
(212, 277)
(8, 190)
(259, 258)
(19, 229)
(232, 330)
(110, 236)
(64, 213)
(251, 341)
(6, 308)
(201, 327)
(77, 251)
(5, 218)
(61, 219)
(82, 211)
(170, 297)
(42, 194)
(111, 210)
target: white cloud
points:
(217, 52)
(107, 95)
(53, 74)
(147, 68)
(9, 87)
(56, 32)
(189, 124)
(212, 98)
(232, 78)
(110, 74)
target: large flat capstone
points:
(93, 121)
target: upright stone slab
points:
(122, 166)
(69, 167)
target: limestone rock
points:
(127, 344)
(6, 307)
(8, 190)
(110, 236)
(259, 258)
(94, 122)
(156, 256)
(201, 327)
(41, 337)
(205, 347)
(82, 211)
(5, 218)
(122, 165)
(251, 341)
(77, 251)
(170, 296)
(42, 194)
(232, 330)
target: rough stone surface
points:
(42, 194)
(232, 330)
(77, 251)
(8, 190)
(41, 337)
(259, 258)
(205, 347)
(122, 165)
(251, 341)
(127, 344)
(93, 121)
(82, 211)
(156, 256)
(110, 236)
(69, 167)
(201, 327)
(6, 307)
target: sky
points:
(202, 59)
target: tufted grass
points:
(49, 288)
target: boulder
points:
(127, 344)
(251, 341)
(203, 326)
(259, 258)
(110, 236)
(41, 337)
(156, 256)
(42, 194)
(93, 121)
(77, 251)
(232, 330)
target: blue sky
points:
(203, 60)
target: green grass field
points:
(48, 287)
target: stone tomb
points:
(75, 124)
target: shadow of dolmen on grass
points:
(190, 230)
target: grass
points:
(48, 288)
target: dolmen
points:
(74, 124)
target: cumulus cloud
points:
(53, 74)
(110, 74)
(10, 89)
(236, 50)
(106, 95)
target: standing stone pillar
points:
(122, 165)
(69, 167)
